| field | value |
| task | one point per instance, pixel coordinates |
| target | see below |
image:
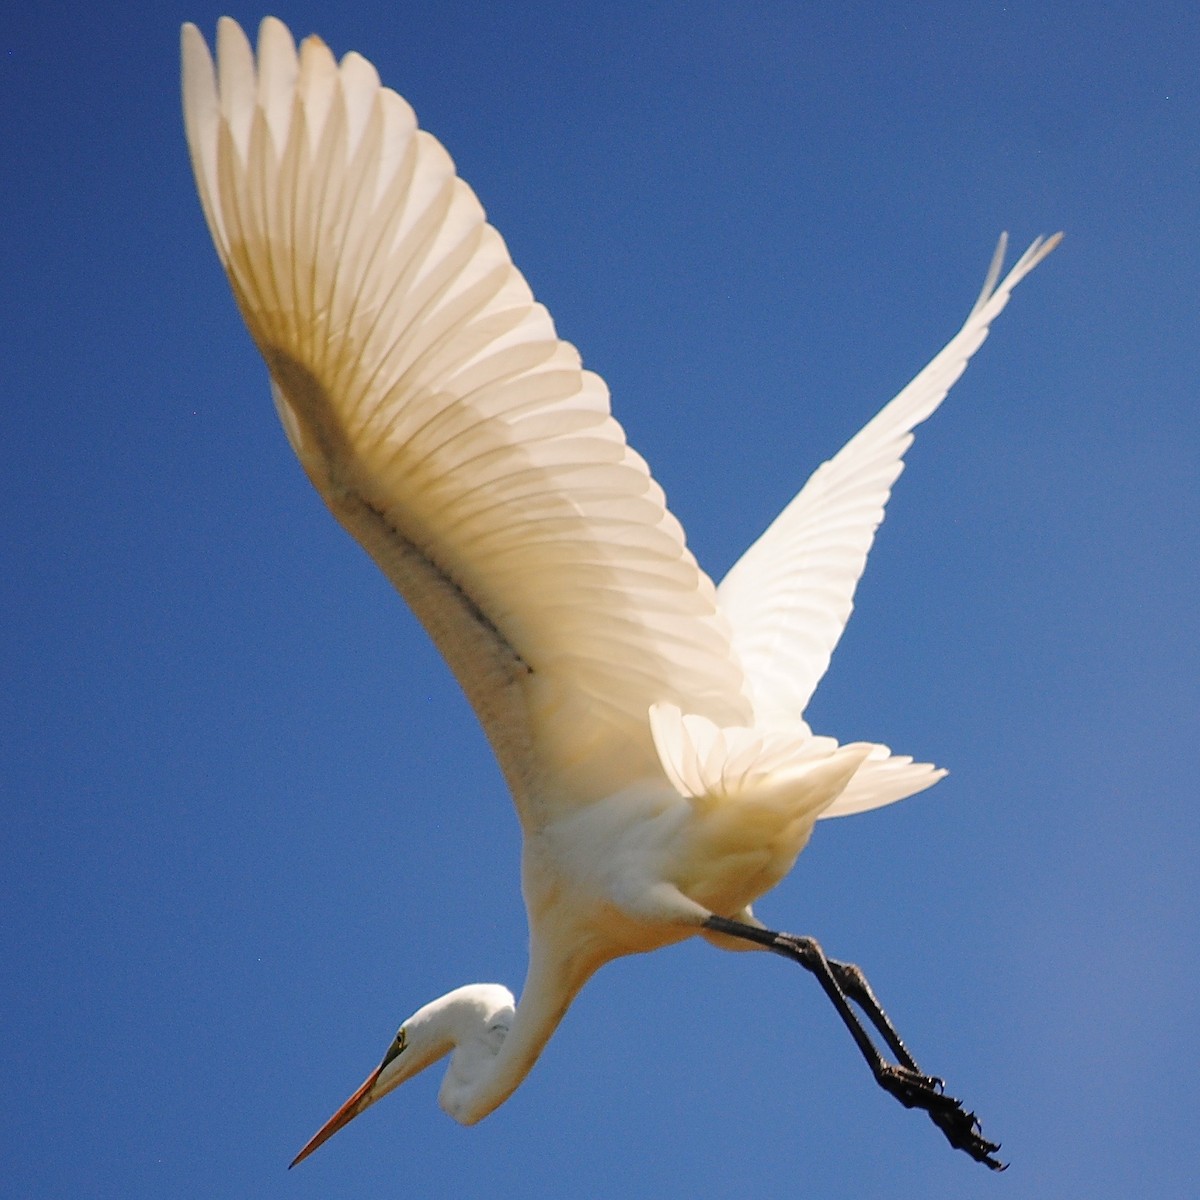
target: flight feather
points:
(440, 417)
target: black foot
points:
(961, 1127)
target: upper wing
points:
(441, 419)
(789, 596)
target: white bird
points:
(649, 726)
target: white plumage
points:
(649, 725)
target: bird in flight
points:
(648, 724)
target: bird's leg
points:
(843, 982)
(854, 985)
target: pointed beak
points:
(360, 1101)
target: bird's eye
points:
(396, 1048)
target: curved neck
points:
(550, 986)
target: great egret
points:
(649, 725)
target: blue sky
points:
(250, 824)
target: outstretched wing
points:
(442, 420)
(789, 596)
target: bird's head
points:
(470, 1024)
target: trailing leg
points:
(844, 982)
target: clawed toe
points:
(963, 1132)
(961, 1128)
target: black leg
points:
(854, 985)
(843, 982)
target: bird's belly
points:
(599, 868)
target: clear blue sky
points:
(248, 822)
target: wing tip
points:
(1037, 251)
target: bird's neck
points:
(550, 986)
